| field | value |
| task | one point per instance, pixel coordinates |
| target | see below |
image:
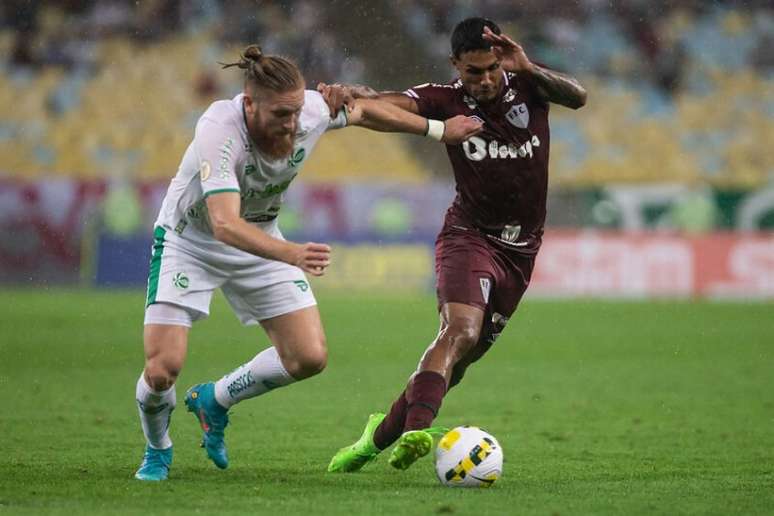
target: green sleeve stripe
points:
(220, 190)
(155, 265)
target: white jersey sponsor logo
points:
(476, 149)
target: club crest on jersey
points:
(297, 157)
(518, 116)
(469, 101)
(509, 95)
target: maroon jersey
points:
(501, 173)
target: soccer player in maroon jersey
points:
(493, 230)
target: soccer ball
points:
(468, 457)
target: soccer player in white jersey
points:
(217, 229)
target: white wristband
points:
(435, 129)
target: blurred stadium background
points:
(663, 185)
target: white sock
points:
(155, 410)
(260, 375)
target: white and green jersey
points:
(222, 158)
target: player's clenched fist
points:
(459, 128)
(336, 96)
(311, 257)
(339, 95)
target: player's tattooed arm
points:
(558, 88)
(552, 86)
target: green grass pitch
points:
(601, 408)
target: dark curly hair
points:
(467, 35)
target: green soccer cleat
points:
(355, 456)
(155, 464)
(200, 400)
(412, 446)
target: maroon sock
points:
(391, 427)
(424, 397)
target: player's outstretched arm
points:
(379, 115)
(338, 95)
(552, 86)
(399, 99)
(231, 229)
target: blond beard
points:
(278, 148)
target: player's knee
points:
(161, 374)
(160, 379)
(462, 338)
(310, 362)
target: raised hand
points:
(459, 128)
(510, 53)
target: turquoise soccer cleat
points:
(155, 464)
(355, 456)
(200, 400)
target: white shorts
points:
(257, 291)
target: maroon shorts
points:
(475, 269)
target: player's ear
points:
(455, 62)
(249, 102)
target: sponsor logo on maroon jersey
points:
(476, 149)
